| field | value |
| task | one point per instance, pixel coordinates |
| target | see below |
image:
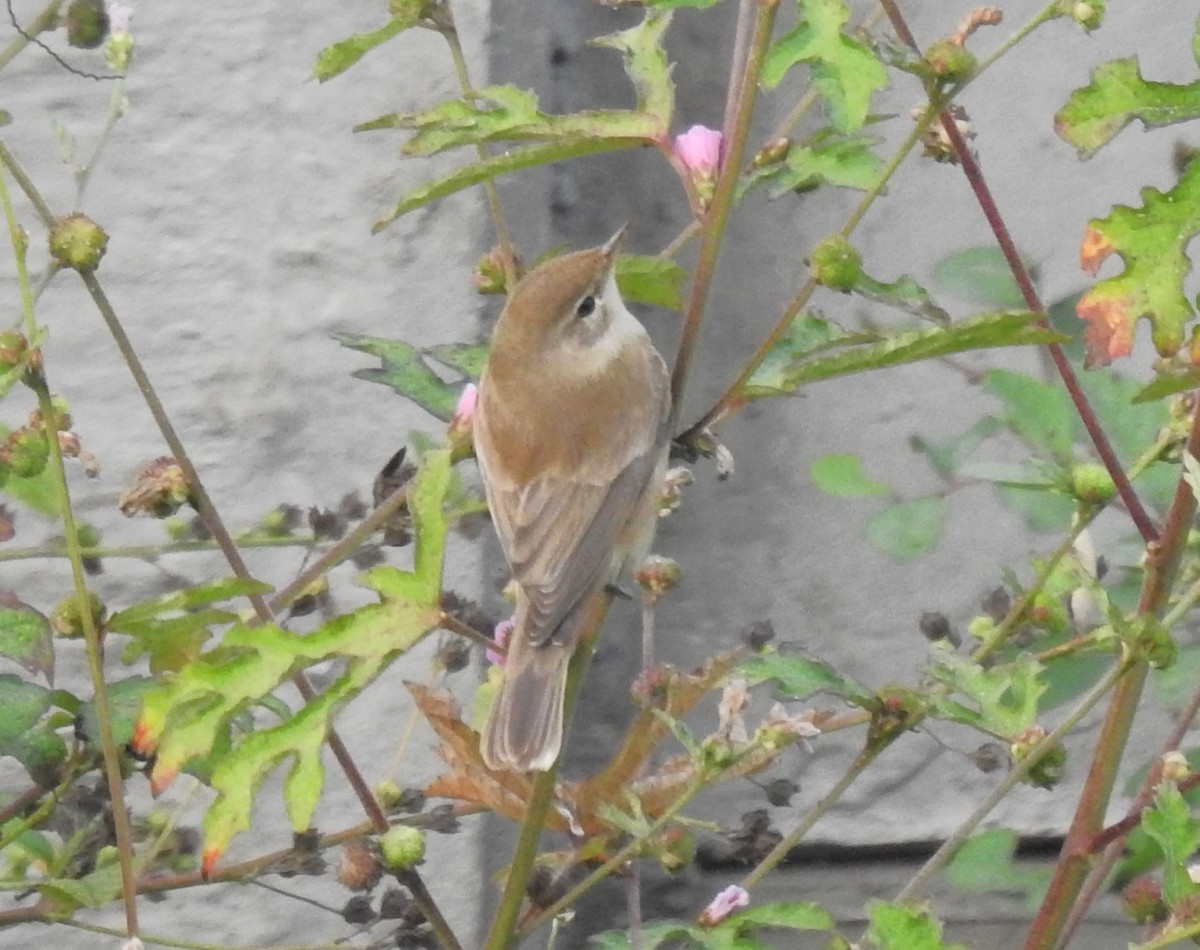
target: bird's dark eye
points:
(586, 307)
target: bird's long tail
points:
(525, 729)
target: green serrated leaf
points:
(979, 274)
(651, 280)
(169, 644)
(404, 370)
(1169, 382)
(843, 477)
(335, 59)
(498, 165)
(1044, 511)
(134, 617)
(426, 494)
(100, 887)
(1171, 825)
(25, 735)
(787, 915)
(189, 716)
(1152, 242)
(1005, 695)
(903, 293)
(985, 863)
(786, 368)
(842, 161)
(843, 70)
(797, 676)
(1115, 97)
(508, 114)
(124, 703)
(466, 358)
(905, 927)
(26, 637)
(1039, 413)
(908, 530)
(647, 65)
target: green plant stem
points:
(115, 111)
(814, 814)
(38, 815)
(151, 552)
(95, 656)
(730, 401)
(1049, 12)
(9, 160)
(95, 653)
(428, 906)
(444, 18)
(202, 500)
(1015, 776)
(273, 862)
(1071, 871)
(622, 856)
(1017, 612)
(220, 533)
(46, 20)
(722, 202)
(505, 922)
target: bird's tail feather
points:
(525, 728)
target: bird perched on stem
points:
(571, 437)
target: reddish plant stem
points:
(1112, 839)
(991, 211)
(1064, 894)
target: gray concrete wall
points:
(240, 204)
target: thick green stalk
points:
(95, 653)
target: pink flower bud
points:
(500, 634)
(465, 410)
(464, 413)
(699, 149)
(699, 152)
(724, 904)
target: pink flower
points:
(500, 634)
(464, 412)
(699, 149)
(724, 904)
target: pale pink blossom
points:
(500, 634)
(465, 410)
(699, 148)
(464, 414)
(724, 904)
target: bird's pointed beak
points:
(612, 246)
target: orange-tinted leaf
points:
(1151, 241)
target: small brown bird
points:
(571, 437)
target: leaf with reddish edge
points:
(1151, 240)
(1116, 96)
(197, 712)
